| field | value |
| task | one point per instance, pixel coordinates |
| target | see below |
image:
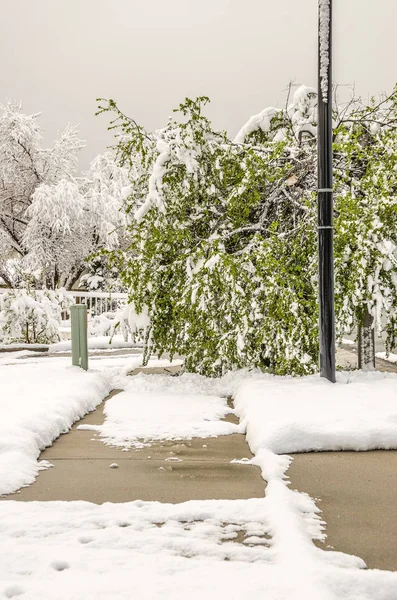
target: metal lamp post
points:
(325, 194)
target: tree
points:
(51, 221)
(24, 166)
(223, 244)
(105, 187)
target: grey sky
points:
(59, 55)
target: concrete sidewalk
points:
(197, 469)
(356, 492)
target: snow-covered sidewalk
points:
(153, 551)
(159, 407)
(38, 403)
(41, 398)
(150, 550)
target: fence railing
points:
(98, 302)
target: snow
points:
(324, 33)
(157, 407)
(260, 121)
(302, 113)
(40, 398)
(101, 342)
(31, 316)
(348, 342)
(387, 356)
(36, 408)
(285, 414)
(151, 550)
(155, 195)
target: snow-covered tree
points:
(72, 220)
(51, 221)
(105, 187)
(24, 167)
(223, 243)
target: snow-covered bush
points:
(31, 317)
(132, 326)
(223, 243)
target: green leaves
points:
(225, 254)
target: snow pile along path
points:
(39, 400)
(285, 414)
(159, 407)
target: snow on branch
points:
(155, 181)
(260, 121)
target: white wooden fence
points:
(98, 302)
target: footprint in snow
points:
(13, 591)
(60, 565)
(85, 539)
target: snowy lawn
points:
(358, 412)
(38, 402)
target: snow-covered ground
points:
(391, 357)
(359, 412)
(153, 551)
(100, 342)
(154, 407)
(149, 550)
(40, 398)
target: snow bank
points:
(158, 407)
(95, 343)
(282, 415)
(38, 402)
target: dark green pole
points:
(78, 317)
(325, 194)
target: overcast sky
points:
(58, 56)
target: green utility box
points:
(78, 318)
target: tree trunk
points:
(366, 344)
(74, 277)
(6, 279)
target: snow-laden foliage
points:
(223, 243)
(51, 221)
(31, 317)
